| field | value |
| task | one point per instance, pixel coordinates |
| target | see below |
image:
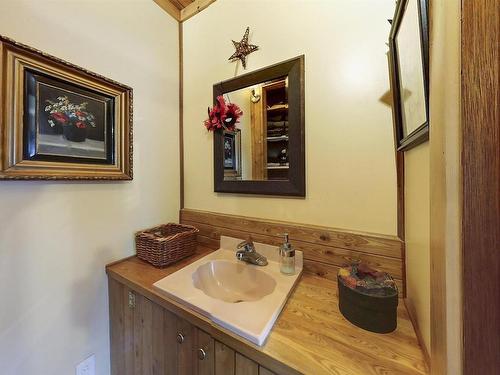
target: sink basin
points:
(243, 298)
(233, 282)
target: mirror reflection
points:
(259, 148)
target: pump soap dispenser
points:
(287, 257)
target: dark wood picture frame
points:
(296, 183)
(31, 84)
(421, 133)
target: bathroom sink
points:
(243, 298)
(233, 282)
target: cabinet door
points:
(171, 342)
(136, 333)
(117, 328)
(147, 339)
(185, 337)
(205, 353)
(245, 366)
(224, 359)
(265, 371)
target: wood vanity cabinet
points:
(147, 339)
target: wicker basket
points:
(166, 244)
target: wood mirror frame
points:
(295, 185)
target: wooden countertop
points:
(311, 336)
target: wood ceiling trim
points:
(194, 8)
(185, 3)
(170, 8)
(180, 4)
(182, 10)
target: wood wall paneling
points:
(325, 249)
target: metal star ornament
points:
(243, 49)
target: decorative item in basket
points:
(368, 298)
(166, 244)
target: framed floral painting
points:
(60, 121)
(232, 154)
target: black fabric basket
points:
(373, 313)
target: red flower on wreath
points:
(223, 115)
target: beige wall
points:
(445, 195)
(56, 237)
(417, 229)
(351, 177)
(432, 200)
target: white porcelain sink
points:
(232, 282)
(243, 298)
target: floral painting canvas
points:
(67, 121)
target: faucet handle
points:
(242, 244)
(247, 245)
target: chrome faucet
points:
(246, 252)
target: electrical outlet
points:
(87, 366)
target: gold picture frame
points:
(59, 121)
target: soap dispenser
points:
(287, 257)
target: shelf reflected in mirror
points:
(258, 149)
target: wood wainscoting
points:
(325, 249)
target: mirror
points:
(265, 154)
(258, 149)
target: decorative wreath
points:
(223, 115)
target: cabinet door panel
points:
(245, 366)
(265, 371)
(137, 333)
(143, 336)
(147, 339)
(158, 341)
(185, 352)
(170, 343)
(128, 333)
(224, 359)
(116, 327)
(205, 353)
